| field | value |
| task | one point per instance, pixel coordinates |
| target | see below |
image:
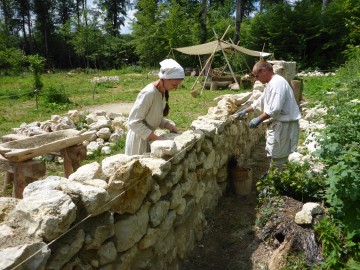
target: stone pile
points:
(109, 127)
(314, 73)
(129, 212)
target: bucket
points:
(242, 179)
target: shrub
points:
(57, 96)
(296, 181)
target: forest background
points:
(317, 34)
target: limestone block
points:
(107, 253)
(74, 115)
(104, 133)
(129, 186)
(115, 115)
(163, 148)
(45, 213)
(166, 245)
(171, 178)
(106, 150)
(151, 237)
(127, 258)
(155, 193)
(207, 128)
(49, 183)
(93, 146)
(94, 200)
(36, 253)
(285, 69)
(258, 86)
(117, 135)
(111, 164)
(189, 187)
(192, 161)
(7, 204)
(176, 196)
(180, 209)
(64, 252)
(98, 230)
(100, 113)
(158, 212)
(207, 146)
(86, 172)
(209, 160)
(104, 123)
(130, 230)
(185, 141)
(159, 167)
(308, 211)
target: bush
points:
(57, 96)
(296, 181)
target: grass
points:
(18, 103)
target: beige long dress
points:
(145, 117)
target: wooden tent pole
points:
(226, 59)
(194, 93)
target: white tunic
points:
(145, 117)
(278, 101)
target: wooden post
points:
(18, 172)
(72, 157)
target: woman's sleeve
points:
(138, 113)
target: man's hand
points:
(240, 114)
(255, 122)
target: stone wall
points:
(130, 212)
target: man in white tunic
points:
(278, 104)
(148, 111)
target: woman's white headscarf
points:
(170, 69)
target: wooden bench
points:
(21, 173)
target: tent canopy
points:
(217, 45)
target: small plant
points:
(296, 181)
(340, 247)
(58, 96)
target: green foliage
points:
(118, 146)
(296, 180)
(56, 95)
(340, 246)
(11, 60)
(268, 208)
(37, 64)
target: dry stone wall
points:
(130, 212)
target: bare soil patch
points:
(231, 241)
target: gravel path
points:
(112, 107)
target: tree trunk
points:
(325, 3)
(30, 32)
(238, 20)
(203, 37)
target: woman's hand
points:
(171, 128)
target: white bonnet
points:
(170, 69)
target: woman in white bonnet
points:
(148, 111)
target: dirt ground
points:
(231, 241)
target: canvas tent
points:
(218, 45)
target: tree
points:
(23, 8)
(115, 12)
(44, 23)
